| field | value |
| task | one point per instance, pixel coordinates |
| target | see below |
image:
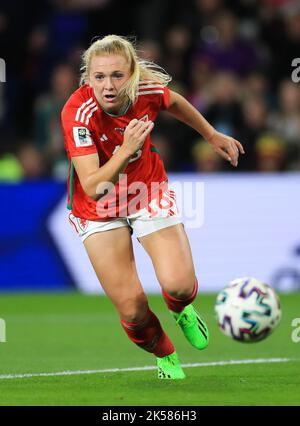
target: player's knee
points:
(179, 286)
(133, 308)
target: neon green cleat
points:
(169, 367)
(193, 327)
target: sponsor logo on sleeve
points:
(82, 137)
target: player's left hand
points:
(227, 147)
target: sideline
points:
(120, 370)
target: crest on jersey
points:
(82, 137)
(144, 118)
(122, 129)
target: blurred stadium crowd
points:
(231, 59)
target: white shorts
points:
(140, 223)
(141, 226)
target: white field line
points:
(121, 370)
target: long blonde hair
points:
(141, 70)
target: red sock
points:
(149, 335)
(177, 305)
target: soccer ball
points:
(247, 310)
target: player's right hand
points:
(135, 135)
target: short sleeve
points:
(77, 136)
(165, 98)
(156, 93)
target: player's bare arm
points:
(226, 146)
(93, 178)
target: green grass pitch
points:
(48, 333)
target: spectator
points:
(282, 33)
(205, 159)
(231, 59)
(200, 16)
(31, 161)
(177, 52)
(285, 120)
(256, 84)
(254, 124)
(270, 153)
(163, 145)
(48, 133)
(228, 51)
(35, 74)
(224, 112)
(150, 50)
(201, 81)
(10, 168)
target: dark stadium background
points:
(238, 63)
(231, 60)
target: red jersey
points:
(89, 129)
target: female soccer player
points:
(117, 184)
